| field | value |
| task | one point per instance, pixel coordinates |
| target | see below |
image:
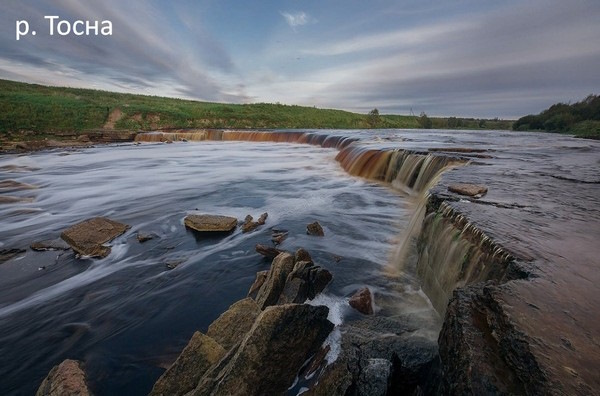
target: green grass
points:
(43, 109)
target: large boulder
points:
(65, 379)
(210, 223)
(261, 277)
(87, 238)
(268, 251)
(196, 358)
(271, 354)
(270, 291)
(229, 328)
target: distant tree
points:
(424, 121)
(373, 118)
(481, 123)
(454, 122)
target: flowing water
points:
(127, 316)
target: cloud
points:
(298, 18)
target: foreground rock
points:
(66, 379)
(305, 282)
(210, 223)
(229, 328)
(87, 238)
(270, 291)
(470, 190)
(270, 355)
(197, 357)
(380, 356)
(261, 277)
(362, 301)
(315, 229)
(7, 254)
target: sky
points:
(468, 58)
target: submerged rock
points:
(196, 358)
(470, 190)
(210, 223)
(302, 255)
(7, 254)
(315, 229)
(229, 328)
(87, 237)
(50, 244)
(143, 237)
(278, 237)
(270, 355)
(362, 301)
(65, 379)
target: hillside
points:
(581, 119)
(44, 110)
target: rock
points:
(65, 379)
(8, 199)
(172, 264)
(50, 244)
(13, 185)
(481, 352)
(278, 237)
(83, 138)
(268, 251)
(229, 328)
(7, 254)
(315, 229)
(250, 225)
(210, 223)
(196, 358)
(317, 361)
(335, 380)
(143, 237)
(271, 354)
(87, 237)
(302, 255)
(362, 301)
(304, 283)
(374, 378)
(261, 276)
(470, 190)
(168, 141)
(269, 292)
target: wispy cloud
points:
(297, 18)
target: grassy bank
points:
(47, 110)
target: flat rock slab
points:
(51, 244)
(87, 237)
(470, 190)
(210, 223)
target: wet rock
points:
(362, 301)
(261, 277)
(50, 244)
(302, 255)
(336, 380)
(374, 378)
(315, 229)
(65, 379)
(337, 258)
(13, 185)
(229, 328)
(482, 354)
(196, 358)
(7, 254)
(250, 225)
(7, 199)
(269, 292)
(278, 237)
(273, 351)
(304, 283)
(87, 237)
(470, 190)
(318, 360)
(172, 264)
(268, 251)
(143, 237)
(210, 223)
